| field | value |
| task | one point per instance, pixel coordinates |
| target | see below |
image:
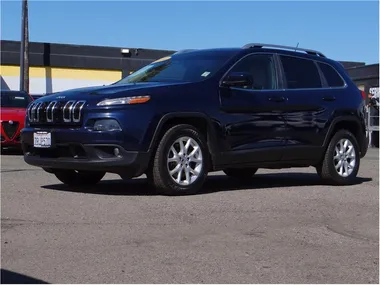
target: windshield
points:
(185, 67)
(14, 100)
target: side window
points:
(262, 69)
(332, 77)
(300, 73)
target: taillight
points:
(363, 95)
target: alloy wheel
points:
(185, 161)
(344, 157)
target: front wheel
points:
(342, 159)
(181, 162)
(78, 178)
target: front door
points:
(253, 121)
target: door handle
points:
(277, 98)
(329, 98)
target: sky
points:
(342, 30)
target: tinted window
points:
(262, 69)
(14, 100)
(300, 73)
(332, 77)
(183, 67)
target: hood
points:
(109, 91)
(14, 114)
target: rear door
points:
(309, 107)
(253, 120)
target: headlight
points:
(107, 125)
(124, 101)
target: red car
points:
(12, 116)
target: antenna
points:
(296, 47)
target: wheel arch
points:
(351, 124)
(197, 119)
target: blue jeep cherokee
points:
(198, 111)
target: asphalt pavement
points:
(284, 226)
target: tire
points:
(327, 169)
(79, 178)
(158, 173)
(241, 173)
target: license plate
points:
(42, 139)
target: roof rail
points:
(259, 45)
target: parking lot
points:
(283, 227)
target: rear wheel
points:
(342, 159)
(79, 178)
(180, 163)
(240, 173)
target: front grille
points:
(56, 112)
(10, 128)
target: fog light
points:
(116, 151)
(107, 125)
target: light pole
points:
(24, 51)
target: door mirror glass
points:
(238, 79)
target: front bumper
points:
(10, 143)
(67, 152)
(14, 141)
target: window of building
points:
(300, 73)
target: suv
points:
(198, 111)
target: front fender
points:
(157, 128)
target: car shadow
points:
(10, 277)
(214, 183)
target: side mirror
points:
(238, 79)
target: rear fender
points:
(360, 135)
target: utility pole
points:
(24, 51)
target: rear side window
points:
(300, 73)
(332, 77)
